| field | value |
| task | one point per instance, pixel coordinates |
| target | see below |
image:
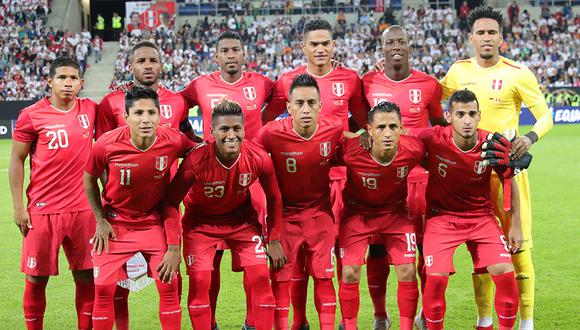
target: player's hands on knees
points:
(169, 266)
(380, 65)
(515, 239)
(365, 140)
(22, 220)
(519, 146)
(276, 253)
(101, 238)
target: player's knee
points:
(37, 279)
(377, 251)
(351, 274)
(499, 269)
(406, 273)
(83, 276)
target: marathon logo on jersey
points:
(161, 163)
(245, 179)
(429, 261)
(415, 95)
(496, 84)
(402, 171)
(479, 167)
(165, 111)
(31, 263)
(338, 89)
(325, 148)
(189, 260)
(84, 121)
(250, 93)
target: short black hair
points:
(315, 24)
(63, 61)
(143, 44)
(384, 107)
(304, 80)
(462, 96)
(136, 93)
(229, 35)
(227, 108)
(484, 12)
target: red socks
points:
(103, 310)
(263, 302)
(214, 288)
(249, 314)
(34, 303)
(506, 299)
(121, 303)
(434, 301)
(325, 301)
(169, 308)
(198, 302)
(298, 295)
(407, 298)
(281, 292)
(84, 299)
(377, 274)
(348, 294)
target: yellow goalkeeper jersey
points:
(500, 90)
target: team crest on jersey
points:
(245, 179)
(479, 167)
(338, 89)
(325, 148)
(31, 263)
(189, 260)
(402, 171)
(161, 163)
(428, 261)
(496, 84)
(84, 121)
(415, 95)
(250, 93)
(165, 111)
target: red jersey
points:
(217, 193)
(340, 93)
(137, 180)
(458, 181)
(251, 92)
(302, 165)
(61, 144)
(418, 96)
(375, 187)
(172, 110)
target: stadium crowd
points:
(546, 45)
(27, 47)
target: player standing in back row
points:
(501, 85)
(340, 93)
(57, 133)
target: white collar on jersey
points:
(466, 151)
(235, 82)
(63, 111)
(234, 164)
(143, 150)
(303, 138)
(317, 76)
(384, 164)
(398, 81)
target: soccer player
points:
(460, 211)
(250, 90)
(145, 66)
(302, 148)
(57, 133)
(375, 207)
(136, 159)
(340, 93)
(418, 95)
(216, 178)
(501, 85)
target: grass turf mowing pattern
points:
(555, 185)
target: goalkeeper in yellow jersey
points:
(501, 85)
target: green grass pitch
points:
(555, 184)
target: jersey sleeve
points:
(186, 145)
(269, 86)
(190, 93)
(105, 118)
(357, 105)
(273, 197)
(530, 93)
(277, 104)
(340, 156)
(435, 108)
(97, 159)
(24, 130)
(423, 134)
(449, 83)
(261, 139)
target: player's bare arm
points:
(104, 230)
(20, 151)
(515, 236)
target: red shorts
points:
(111, 267)
(245, 241)
(72, 230)
(394, 231)
(416, 186)
(484, 239)
(314, 237)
